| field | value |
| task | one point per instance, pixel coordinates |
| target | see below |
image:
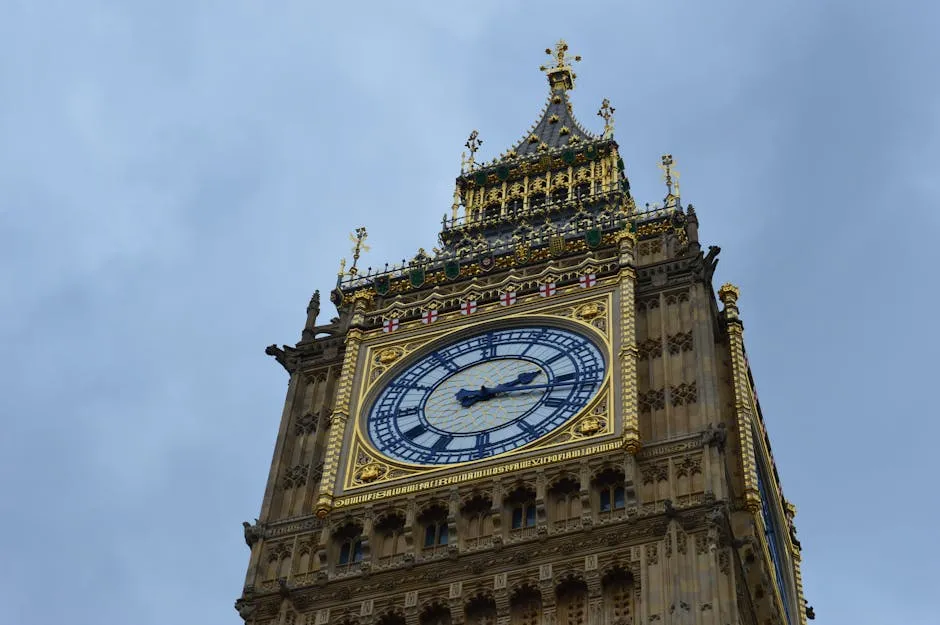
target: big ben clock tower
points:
(549, 419)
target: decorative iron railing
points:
(605, 220)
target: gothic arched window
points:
(390, 537)
(565, 502)
(612, 498)
(348, 546)
(477, 522)
(525, 607)
(481, 610)
(435, 527)
(521, 507)
(610, 493)
(583, 190)
(436, 614)
(350, 551)
(391, 618)
(572, 598)
(617, 588)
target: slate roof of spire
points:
(555, 128)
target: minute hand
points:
(535, 387)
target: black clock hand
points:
(522, 378)
(469, 397)
(533, 387)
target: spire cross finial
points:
(473, 144)
(560, 76)
(359, 239)
(607, 113)
(561, 58)
(671, 176)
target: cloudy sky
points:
(177, 177)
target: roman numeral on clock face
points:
(442, 443)
(416, 431)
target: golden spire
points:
(358, 238)
(560, 76)
(473, 144)
(607, 113)
(671, 176)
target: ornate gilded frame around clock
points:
(366, 468)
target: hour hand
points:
(467, 398)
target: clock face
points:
(485, 395)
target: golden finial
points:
(473, 144)
(455, 207)
(729, 294)
(560, 76)
(671, 176)
(358, 238)
(561, 58)
(342, 267)
(607, 113)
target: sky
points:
(176, 178)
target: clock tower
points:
(548, 419)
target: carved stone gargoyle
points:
(716, 436)
(253, 533)
(286, 356)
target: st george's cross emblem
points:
(547, 290)
(508, 298)
(390, 325)
(587, 281)
(468, 307)
(429, 316)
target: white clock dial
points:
(485, 395)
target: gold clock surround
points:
(383, 354)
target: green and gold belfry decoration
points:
(548, 418)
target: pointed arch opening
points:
(435, 614)
(564, 497)
(347, 548)
(435, 530)
(617, 590)
(390, 539)
(477, 522)
(572, 602)
(610, 494)
(525, 606)
(480, 610)
(521, 509)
